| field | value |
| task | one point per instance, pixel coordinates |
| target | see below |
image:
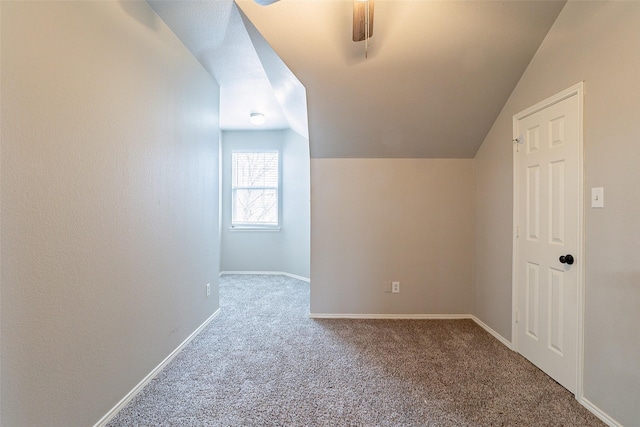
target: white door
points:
(548, 222)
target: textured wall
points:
(297, 209)
(380, 220)
(109, 205)
(594, 42)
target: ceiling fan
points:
(363, 22)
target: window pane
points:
(255, 169)
(255, 206)
(255, 188)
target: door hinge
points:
(517, 231)
(517, 318)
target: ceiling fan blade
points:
(359, 21)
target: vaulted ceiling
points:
(435, 79)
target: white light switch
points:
(597, 197)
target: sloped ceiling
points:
(436, 77)
(216, 35)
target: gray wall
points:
(598, 43)
(109, 205)
(375, 221)
(296, 213)
(286, 250)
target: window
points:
(254, 188)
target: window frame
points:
(246, 226)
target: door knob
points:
(566, 259)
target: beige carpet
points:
(263, 362)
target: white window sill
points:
(254, 228)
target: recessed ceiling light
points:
(257, 119)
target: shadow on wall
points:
(144, 16)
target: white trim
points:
(514, 247)
(575, 90)
(277, 188)
(599, 413)
(579, 88)
(295, 276)
(388, 316)
(552, 100)
(496, 335)
(254, 228)
(268, 273)
(138, 388)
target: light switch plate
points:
(597, 197)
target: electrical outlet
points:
(395, 287)
(208, 289)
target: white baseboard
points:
(599, 413)
(272, 273)
(386, 316)
(604, 417)
(138, 388)
(295, 276)
(496, 335)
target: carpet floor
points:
(264, 362)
